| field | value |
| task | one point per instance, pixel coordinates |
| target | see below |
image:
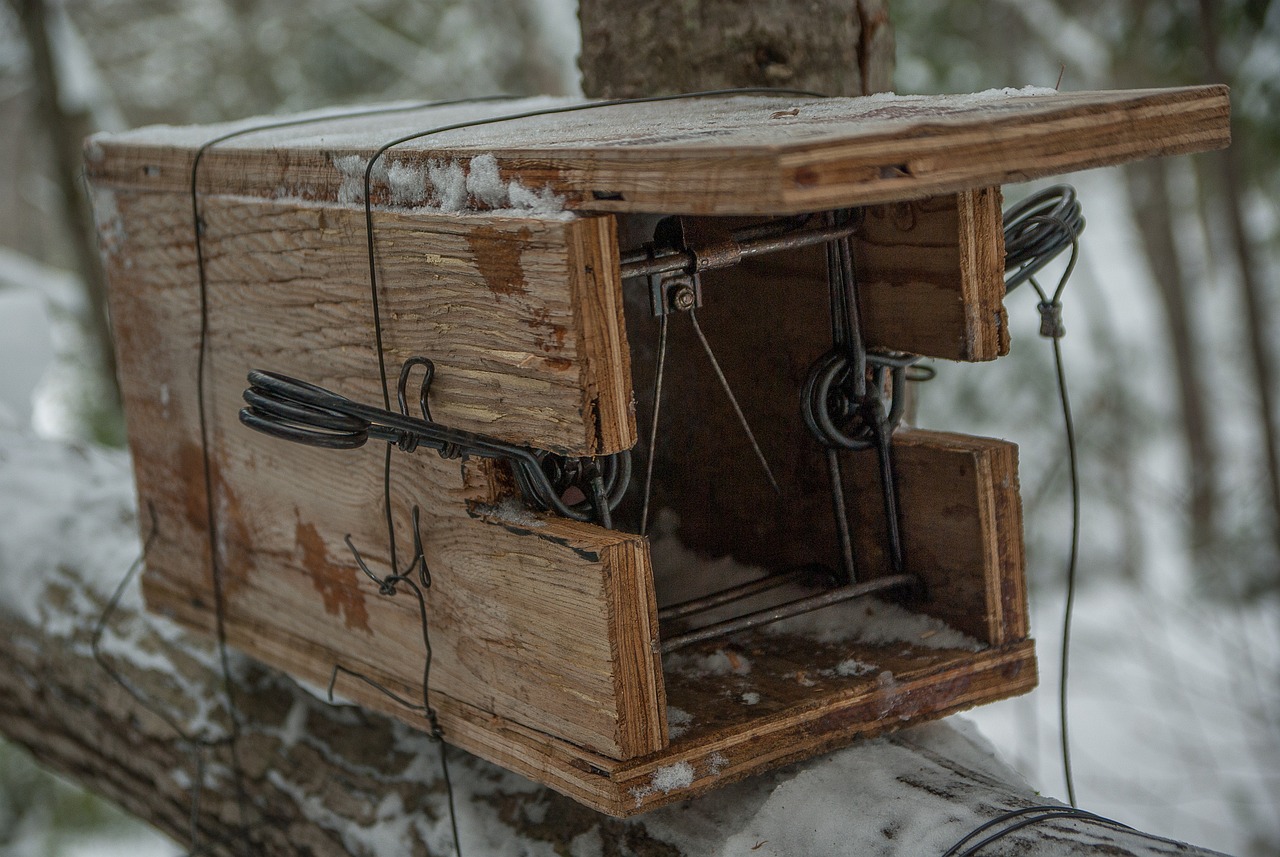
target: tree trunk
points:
(654, 47)
(327, 780)
(1148, 185)
(63, 133)
(1256, 300)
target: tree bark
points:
(655, 47)
(1257, 302)
(63, 133)
(333, 780)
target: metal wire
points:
(1038, 230)
(653, 425)
(1040, 813)
(733, 400)
(294, 410)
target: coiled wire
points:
(1037, 230)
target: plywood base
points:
(805, 708)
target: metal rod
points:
(786, 611)
(842, 517)
(733, 593)
(640, 263)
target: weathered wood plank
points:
(931, 276)
(550, 625)
(521, 316)
(961, 522)
(743, 155)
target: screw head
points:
(684, 298)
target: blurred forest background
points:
(1173, 349)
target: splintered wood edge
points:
(607, 401)
(982, 255)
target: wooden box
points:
(498, 257)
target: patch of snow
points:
(666, 779)
(408, 184)
(719, 662)
(589, 844)
(750, 698)
(854, 667)
(876, 622)
(678, 721)
(449, 180)
(485, 183)
(351, 168)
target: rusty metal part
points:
(785, 611)
(737, 593)
(731, 247)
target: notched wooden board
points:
(961, 517)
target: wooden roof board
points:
(716, 155)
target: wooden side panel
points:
(539, 622)
(521, 316)
(961, 529)
(931, 276)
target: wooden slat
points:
(961, 529)
(739, 155)
(547, 624)
(931, 276)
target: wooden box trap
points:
(469, 335)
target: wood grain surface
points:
(724, 155)
(537, 620)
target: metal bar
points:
(785, 611)
(733, 593)
(640, 263)
(849, 569)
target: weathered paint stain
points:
(341, 596)
(497, 254)
(231, 535)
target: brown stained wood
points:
(745, 155)
(806, 707)
(961, 522)
(548, 625)
(931, 276)
(521, 316)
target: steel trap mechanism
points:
(535, 395)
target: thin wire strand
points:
(653, 425)
(1047, 813)
(1036, 231)
(1054, 307)
(728, 391)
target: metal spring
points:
(294, 410)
